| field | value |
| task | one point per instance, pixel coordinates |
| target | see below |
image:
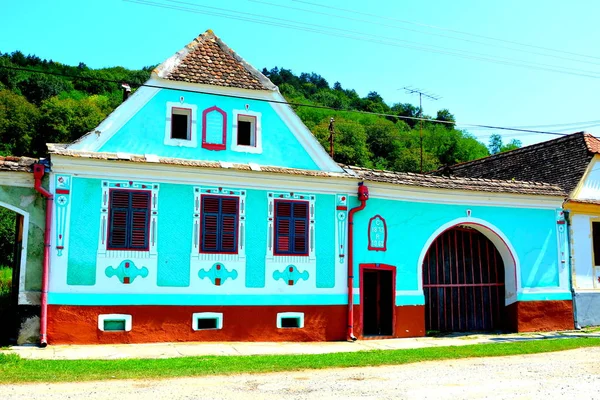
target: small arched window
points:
(214, 129)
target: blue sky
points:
(347, 47)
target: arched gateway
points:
(468, 275)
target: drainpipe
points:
(363, 196)
(38, 174)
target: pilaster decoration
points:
(63, 205)
(219, 191)
(292, 259)
(341, 215)
(107, 186)
(377, 234)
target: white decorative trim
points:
(193, 141)
(298, 315)
(102, 318)
(207, 315)
(512, 266)
(291, 259)
(257, 148)
(219, 191)
(99, 169)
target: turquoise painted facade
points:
(254, 156)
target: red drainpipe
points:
(38, 174)
(363, 196)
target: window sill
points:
(246, 149)
(180, 143)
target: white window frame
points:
(207, 315)
(257, 148)
(296, 315)
(193, 140)
(115, 317)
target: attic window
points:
(180, 127)
(246, 131)
(181, 123)
(246, 135)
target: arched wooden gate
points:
(463, 283)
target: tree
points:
(512, 145)
(446, 116)
(495, 145)
(38, 87)
(18, 121)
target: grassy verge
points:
(16, 370)
(5, 281)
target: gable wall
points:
(144, 133)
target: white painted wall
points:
(585, 274)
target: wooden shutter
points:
(129, 216)
(291, 236)
(219, 224)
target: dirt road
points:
(573, 374)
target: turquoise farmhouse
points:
(202, 209)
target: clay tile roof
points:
(207, 60)
(562, 162)
(350, 172)
(17, 164)
(456, 183)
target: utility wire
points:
(447, 29)
(366, 37)
(420, 31)
(401, 117)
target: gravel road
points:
(573, 374)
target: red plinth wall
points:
(540, 316)
(79, 324)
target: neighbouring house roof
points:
(207, 60)
(561, 162)
(17, 164)
(398, 178)
(456, 183)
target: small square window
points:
(246, 130)
(181, 123)
(207, 321)
(596, 242)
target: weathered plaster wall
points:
(27, 200)
(278, 142)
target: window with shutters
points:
(129, 217)
(291, 227)
(219, 224)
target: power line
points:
(401, 117)
(448, 29)
(360, 36)
(419, 31)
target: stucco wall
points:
(80, 278)
(278, 142)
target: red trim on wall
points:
(237, 235)
(189, 122)
(109, 224)
(62, 191)
(214, 146)
(377, 267)
(384, 248)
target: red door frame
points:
(377, 267)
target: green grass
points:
(5, 281)
(13, 369)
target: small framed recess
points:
(114, 322)
(290, 320)
(207, 321)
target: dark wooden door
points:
(463, 283)
(378, 302)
